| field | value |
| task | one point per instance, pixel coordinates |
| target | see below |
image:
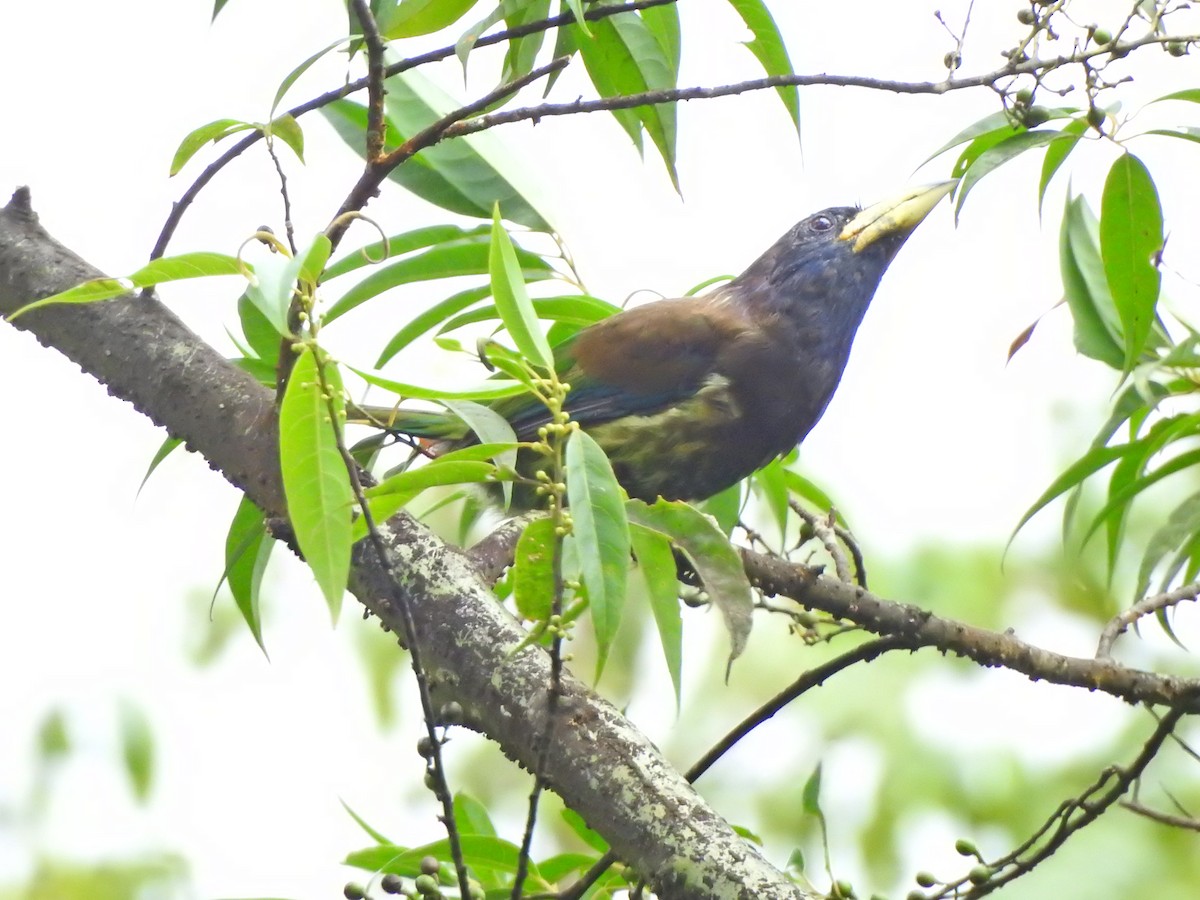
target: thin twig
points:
(1188, 822)
(1118, 624)
(210, 172)
(1071, 817)
(434, 761)
(289, 230)
(814, 677)
(654, 98)
(823, 529)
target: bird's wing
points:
(639, 361)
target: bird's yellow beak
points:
(899, 214)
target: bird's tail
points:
(429, 424)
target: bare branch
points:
(652, 98)
(1187, 822)
(1120, 623)
(988, 648)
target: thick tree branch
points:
(600, 764)
(775, 576)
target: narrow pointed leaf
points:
(715, 560)
(1057, 153)
(601, 535)
(416, 17)
(1092, 461)
(397, 491)
(1131, 234)
(448, 260)
(1096, 334)
(465, 175)
(292, 76)
(398, 244)
(196, 139)
(995, 156)
(167, 447)
(623, 57)
(288, 130)
(247, 549)
(656, 566)
(315, 480)
(769, 49)
(532, 575)
(522, 52)
(512, 298)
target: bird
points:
(689, 396)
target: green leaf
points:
(807, 490)
(997, 124)
(522, 52)
(995, 156)
(624, 57)
(429, 319)
(769, 49)
(725, 507)
(416, 17)
(1131, 234)
(532, 573)
(211, 132)
(466, 175)
(295, 74)
(1088, 464)
(577, 309)
(263, 338)
(315, 481)
(512, 298)
(1190, 94)
(1056, 155)
(1185, 132)
(271, 288)
(600, 532)
(656, 566)
(466, 41)
(493, 390)
(288, 130)
(137, 750)
(771, 485)
(713, 557)
(165, 449)
(218, 5)
(482, 852)
(811, 796)
(1097, 331)
(395, 492)
(583, 832)
(1182, 523)
(442, 261)
(491, 428)
(159, 271)
(471, 816)
(247, 549)
(405, 242)
(374, 834)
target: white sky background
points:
(931, 436)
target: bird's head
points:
(833, 260)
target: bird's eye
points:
(820, 223)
